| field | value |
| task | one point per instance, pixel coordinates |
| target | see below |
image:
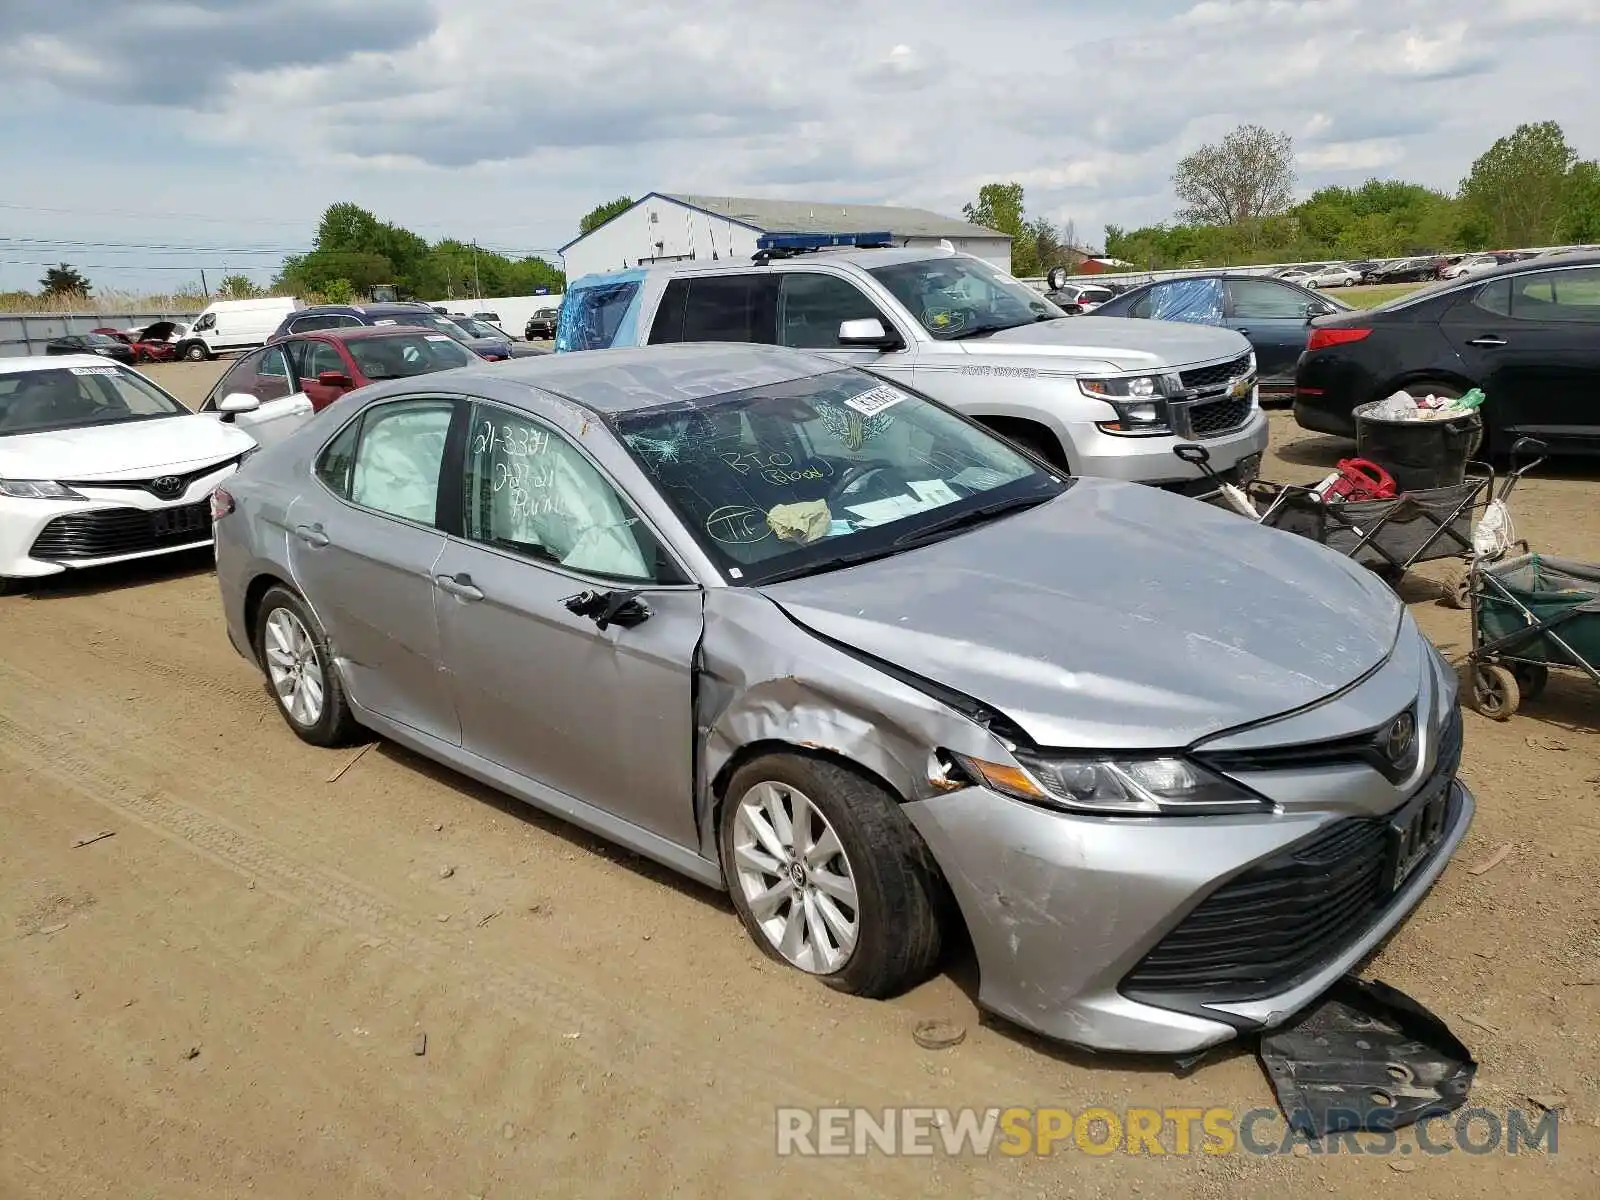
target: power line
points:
(46, 262)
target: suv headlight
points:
(1138, 399)
(37, 489)
(1134, 386)
(1125, 787)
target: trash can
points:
(1419, 454)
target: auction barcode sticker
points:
(436, 337)
(875, 400)
(93, 370)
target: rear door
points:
(1275, 319)
(718, 308)
(1533, 342)
(364, 541)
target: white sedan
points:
(1473, 264)
(1337, 276)
(99, 465)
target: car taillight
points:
(221, 504)
(1321, 339)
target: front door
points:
(364, 546)
(266, 375)
(811, 307)
(1534, 343)
(1275, 319)
(604, 716)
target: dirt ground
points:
(227, 997)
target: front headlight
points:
(37, 489)
(1126, 787)
(1141, 411)
(1134, 386)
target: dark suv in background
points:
(421, 316)
(542, 324)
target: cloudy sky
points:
(150, 134)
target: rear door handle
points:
(312, 535)
(1487, 339)
(459, 585)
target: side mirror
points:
(868, 331)
(235, 403)
(333, 379)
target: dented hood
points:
(1115, 616)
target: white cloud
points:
(507, 121)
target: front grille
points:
(177, 484)
(1261, 932)
(1216, 374)
(1210, 420)
(113, 531)
(1270, 927)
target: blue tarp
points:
(600, 311)
(1197, 301)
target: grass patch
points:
(1369, 297)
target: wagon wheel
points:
(1493, 691)
(1531, 679)
(1456, 586)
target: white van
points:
(234, 325)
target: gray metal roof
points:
(807, 216)
(616, 381)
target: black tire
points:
(898, 939)
(10, 586)
(196, 352)
(337, 725)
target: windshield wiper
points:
(973, 516)
(830, 564)
(978, 331)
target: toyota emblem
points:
(167, 485)
(1400, 738)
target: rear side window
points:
(729, 308)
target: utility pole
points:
(477, 287)
(204, 290)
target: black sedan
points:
(102, 344)
(1272, 313)
(1528, 334)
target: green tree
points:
(1520, 184)
(1580, 210)
(601, 213)
(237, 287)
(63, 279)
(1243, 178)
(336, 291)
(999, 206)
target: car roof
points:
(610, 382)
(865, 259)
(53, 362)
(361, 333)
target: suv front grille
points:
(108, 532)
(1219, 417)
(1216, 374)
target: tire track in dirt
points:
(95, 751)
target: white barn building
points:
(681, 228)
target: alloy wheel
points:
(294, 668)
(794, 875)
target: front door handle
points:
(1487, 340)
(312, 535)
(1244, 332)
(459, 585)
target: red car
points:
(149, 344)
(325, 364)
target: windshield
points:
(963, 297)
(407, 354)
(477, 328)
(807, 475)
(70, 397)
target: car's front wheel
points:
(829, 876)
(293, 651)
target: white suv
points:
(1101, 396)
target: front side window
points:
(399, 457)
(273, 380)
(241, 377)
(804, 475)
(812, 306)
(321, 356)
(963, 297)
(73, 397)
(528, 490)
(1257, 300)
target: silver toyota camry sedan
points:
(805, 635)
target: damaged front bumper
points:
(1065, 912)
